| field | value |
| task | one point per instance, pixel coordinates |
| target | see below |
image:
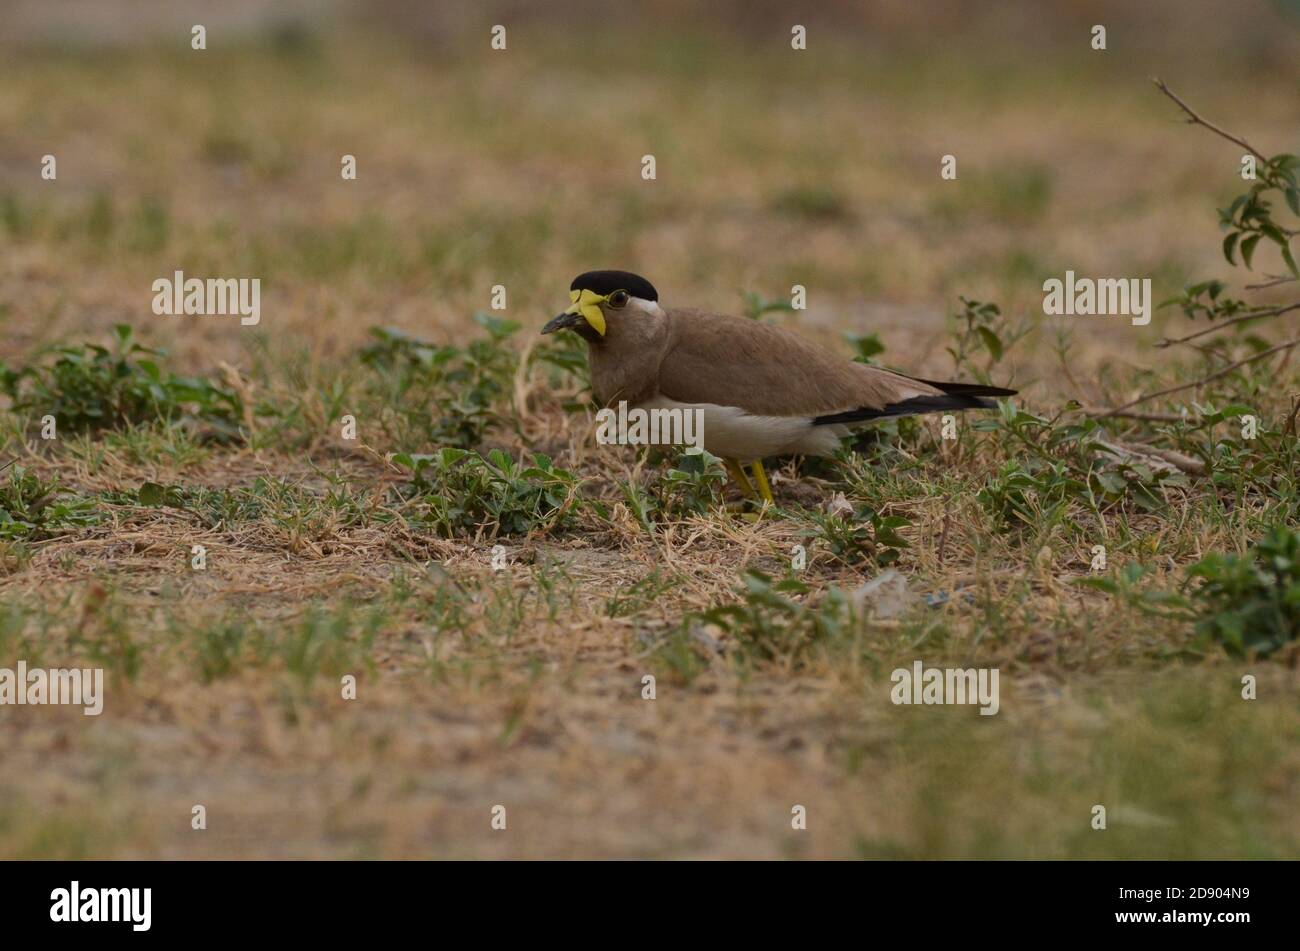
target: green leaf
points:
(991, 341)
(1112, 482)
(1230, 247)
(1273, 233)
(867, 346)
(1289, 258)
(1248, 248)
(497, 327)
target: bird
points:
(763, 391)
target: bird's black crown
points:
(607, 282)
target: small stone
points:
(887, 595)
(839, 505)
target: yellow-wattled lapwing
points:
(763, 391)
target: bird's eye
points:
(618, 299)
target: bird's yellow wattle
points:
(587, 303)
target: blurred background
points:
(522, 167)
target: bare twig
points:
(1195, 119)
(1166, 460)
(1273, 281)
(943, 535)
(1118, 411)
(1098, 412)
(1286, 362)
(1290, 423)
(1275, 312)
(1178, 460)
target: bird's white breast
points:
(732, 433)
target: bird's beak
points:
(585, 306)
(565, 321)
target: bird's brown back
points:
(732, 361)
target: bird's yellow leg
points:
(760, 479)
(738, 476)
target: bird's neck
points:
(623, 369)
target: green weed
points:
(91, 388)
(467, 385)
(32, 508)
(1250, 604)
(462, 492)
(861, 537)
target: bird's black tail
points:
(969, 389)
(956, 396)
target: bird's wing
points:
(767, 371)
